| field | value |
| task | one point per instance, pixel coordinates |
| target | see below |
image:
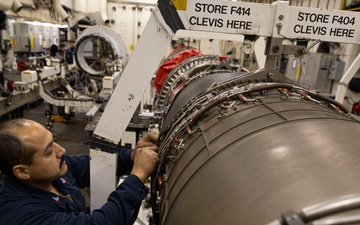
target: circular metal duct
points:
(188, 70)
(98, 48)
(250, 147)
(184, 70)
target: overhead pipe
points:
(80, 5)
(14, 5)
(103, 11)
(56, 4)
(17, 6)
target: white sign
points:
(230, 17)
(326, 25)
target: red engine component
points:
(356, 108)
(22, 66)
(171, 63)
(10, 85)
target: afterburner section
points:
(98, 49)
(245, 147)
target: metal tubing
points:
(341, 204)
(59, 10)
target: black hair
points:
(12, 150)
(54, 49)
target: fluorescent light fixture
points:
(46, 24)
(36, 23)
(62, 26)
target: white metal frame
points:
(345, 80)
(137, 75)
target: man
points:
(42, 184)
(72, 45)
(47, 52)
(54, 51)
(66, 53)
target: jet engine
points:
(98, 49)
(252, 148)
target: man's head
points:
(28, 152)
(54, 49)
(63, 47)
(72, 43)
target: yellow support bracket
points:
(180, 4)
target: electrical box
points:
(315, 71)
(50, 35)
(336, 70)
(21, 36)
(34, 38)
(294, 67)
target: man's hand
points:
(146, 141)
(145, 157)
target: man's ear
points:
(21, 172)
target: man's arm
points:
(117, 209)
(123, 202)
(125, 161)
(69, 57)
(79, 166)
(129, 194)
